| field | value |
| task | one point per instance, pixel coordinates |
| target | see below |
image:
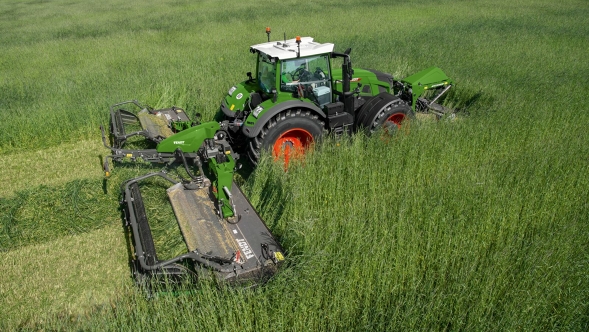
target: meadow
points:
(477, 223)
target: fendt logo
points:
(245, 248)
(178, 142)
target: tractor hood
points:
(236, 98)
(369, 78)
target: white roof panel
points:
(288, 50)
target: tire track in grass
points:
(68, 276)
(51, 166)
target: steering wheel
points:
(300, 74)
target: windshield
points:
(266, 73)
(306, 71)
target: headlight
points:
(257, 111)
(232, 90)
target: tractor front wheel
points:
(287, 135)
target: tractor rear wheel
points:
(384, 111)
(287, 135)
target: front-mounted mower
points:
(295, 97)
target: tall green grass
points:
(474, 224)
(443, 243)
(188, 54)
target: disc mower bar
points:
(244, 250)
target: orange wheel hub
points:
(292, 143)
(396, 118)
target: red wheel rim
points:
(292, 143)
(396, 118)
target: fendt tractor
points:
(294, 98)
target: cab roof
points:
(288, 49)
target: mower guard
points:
(155, 125)
(242, 250)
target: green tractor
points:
(294, 99)
(297, 96)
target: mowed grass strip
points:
(42, 213)
(67, 277)
(51, 166)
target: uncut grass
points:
(444, 243)
(67, 68)
(480, 224)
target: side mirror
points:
(275, 95)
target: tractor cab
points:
(296, 68)
(311, 75)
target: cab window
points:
(266, 73)
(311, 71)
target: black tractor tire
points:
(299, 126)
(384, 111)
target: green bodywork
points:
(238, 95)
(427, 79)
(224, 179)
(371, 84)
(190, 141)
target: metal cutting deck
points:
(201, 227)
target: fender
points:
(253, 131)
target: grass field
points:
(481, 223)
